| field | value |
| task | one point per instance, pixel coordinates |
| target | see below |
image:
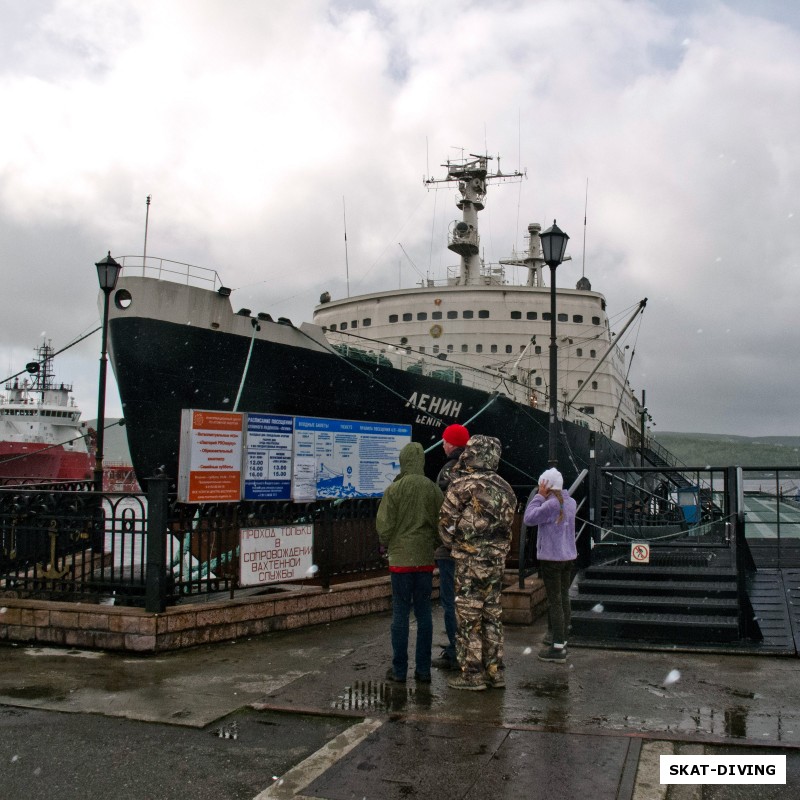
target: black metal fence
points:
(66, 542)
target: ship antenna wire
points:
(433, 231)
(585, 209)
(346, 262)
(519, 162)
(146, 222)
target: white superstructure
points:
(479, 329)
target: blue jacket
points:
(556, 540)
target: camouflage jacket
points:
(478, 510)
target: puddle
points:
(35, 693)
(546, 688)
(372, 695)
(54, 651)
(366, 695)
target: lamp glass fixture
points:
(554, 245)
(108, 272)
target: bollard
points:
(155, 573)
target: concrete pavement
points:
(314, 717)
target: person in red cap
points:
(454, 440)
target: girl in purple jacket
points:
(553, 510)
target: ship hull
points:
(33, 460)
(162, 368)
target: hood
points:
(481, 453)
(412, 459)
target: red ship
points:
(41, 435)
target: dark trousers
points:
(557, 577)
(447, 598)
(411, 590)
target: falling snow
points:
(673, 676)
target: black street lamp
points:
(107, 273)
(554, 244)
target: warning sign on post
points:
(276, 555)
(210, 462)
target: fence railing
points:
(70, 543)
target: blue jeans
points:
(411, 590)
(447, 598)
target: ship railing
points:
(365, 351)
(167, 269)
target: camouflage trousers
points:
(479, 636)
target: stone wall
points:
(186, 625)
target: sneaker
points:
(468, 684)
(556, 654)
(419, 678)
(444, 663)
(390, 676)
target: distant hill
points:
(721, 450)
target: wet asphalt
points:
(308, 713)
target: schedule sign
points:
(268, 457)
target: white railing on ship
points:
(166, 269)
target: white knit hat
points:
(552, 479)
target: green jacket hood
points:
(412, 460)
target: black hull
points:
(162, 368)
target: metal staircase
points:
(690, 589)
(681, 604)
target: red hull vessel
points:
(41, 461)
(41, 435)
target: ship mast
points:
(472, 176)
(43, 374)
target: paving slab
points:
(593, 711)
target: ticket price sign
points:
(267, 473)
(276, 554)
(345, 458)
(210, 460)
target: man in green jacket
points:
(407, 525)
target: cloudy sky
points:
(258, 126)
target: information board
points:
(226, 456)
(210, 461)
(275, 555)
(267, 473)
(345, 458)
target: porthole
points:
(122, 299)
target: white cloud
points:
(252, 125)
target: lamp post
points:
(554, 244)
(107, 273)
